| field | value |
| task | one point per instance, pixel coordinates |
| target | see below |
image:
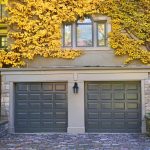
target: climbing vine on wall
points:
(35, 28)
(3, 1)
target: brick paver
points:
(75, 142)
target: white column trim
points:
(76, 116)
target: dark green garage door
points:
(112, 107)
(40, 107)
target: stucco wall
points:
(89, 58)
(147, 94)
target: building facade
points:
(109, 99)
(93, 93)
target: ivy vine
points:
(34, 28)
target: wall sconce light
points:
(75, 88)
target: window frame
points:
(1, 36)
(2, 11)
(96, 19)
(76, 25)
(63, 39)
(105, 32)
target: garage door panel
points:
(92, 125)
(34, 105)
(23, 87)
(132, 106)
(132, 86)
(60, 115)
(119, 95)
(93, 96)
(60, 87)
(47, 124)
(119, 106)
(105, 115)
(59, 124)
(35, 124)
(36, 110)
(46, 105)
(22, 105)
(119, 115)
(60, 96)
(35, 87)
(47, 96)
(106, 96)
(47, 115)
(92, 105)
(118, 86)
(43, 107)
(92, 87)
(106, 105)
(60, 105)
(92, 115)
(34, 96)
(22, 115)
(132, 115)
(106, 124)
(132, 96)
(47, 87)
(35, 115)
(119, 124)
(21, 111)
(115, 108)
(22, 123)
(133, 124)
(105, 86)
(21, 97)
(46, 110)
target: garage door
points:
(112, 107)
(40, 107)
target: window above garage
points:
(89, 33)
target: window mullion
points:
(106, 36)
(74, 38)
(95, 34)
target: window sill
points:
(90, 48)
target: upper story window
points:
(2, 11)
(3, 41)
(85, 33)
(67, 35)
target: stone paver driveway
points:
(75, 142)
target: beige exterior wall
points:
(75, 101)
(92, 56)
(147, 94)
(102, 58)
